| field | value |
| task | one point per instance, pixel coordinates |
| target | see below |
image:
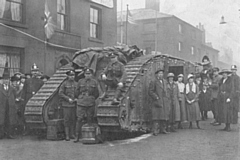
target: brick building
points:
(79, 24)
(174, 36)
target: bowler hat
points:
(14, 78)
(233, 67)
(70, 73)
(225, 71)
(215, 69)
(170, 75)
(159, 70)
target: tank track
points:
(35, 107)
(108, 115)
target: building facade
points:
(155, 31)
(78, 24)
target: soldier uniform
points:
(115, 74)
(67, 92)
(87, 92)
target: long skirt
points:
(193, 112)
(183, 110)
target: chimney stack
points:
(152, 4)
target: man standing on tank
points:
(67, 92)
(87, 92)
(160, 109)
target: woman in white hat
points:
(183, 111)
(191, 95)
(174, 103)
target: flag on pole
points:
(130, 18)
(48, 22)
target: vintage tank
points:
(134, 111)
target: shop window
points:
(95, 25)
(62, 15)
(11, 10)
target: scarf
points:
(194, 88)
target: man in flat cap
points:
(236, 83)
(31, 86)
(87, 92)
(161, 105)
(114, 76)
(67, 93)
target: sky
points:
(208, 13)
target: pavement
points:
(209, 143)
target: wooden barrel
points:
(89, 133)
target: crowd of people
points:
(210, 90)
(15, 91)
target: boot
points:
(155, 128)
(228, 127)
(173, 128)
(67, 134)
(180, 125)
(115, 101)
(78, 131)
(190, 125)
(198, 125)
(163, 128)
(72, 136)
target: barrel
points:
(89, 133)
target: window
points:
(62, 15)
(12, 61)
(180, 28)
(11, 10)
(192, 50)
(95, 23)
(179, 46)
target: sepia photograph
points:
(119, 79)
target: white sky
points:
(207, 12)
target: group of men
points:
(78, 99)
(15, 91)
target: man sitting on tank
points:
(113, 76)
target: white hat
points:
(190, 76)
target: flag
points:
(48, 22)
(130, 18)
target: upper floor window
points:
(62, 15)
(11, 10)
(179, 46)
(95, 28)
(192, 50)
(180, 28)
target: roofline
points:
(186, 23)
(210, 47)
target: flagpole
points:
(127, 24)
(121, 22)
(156, 35)
(45, 42)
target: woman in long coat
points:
(174, 102)
(225, 97)
(191, 95)
(160, 108)
(183, 110)
(8, 109)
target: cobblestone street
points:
(210, 143)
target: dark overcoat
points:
(7, 100)
(160, 96)
(205, 100)
(236, 83)
(228, 113)
(31, 86)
